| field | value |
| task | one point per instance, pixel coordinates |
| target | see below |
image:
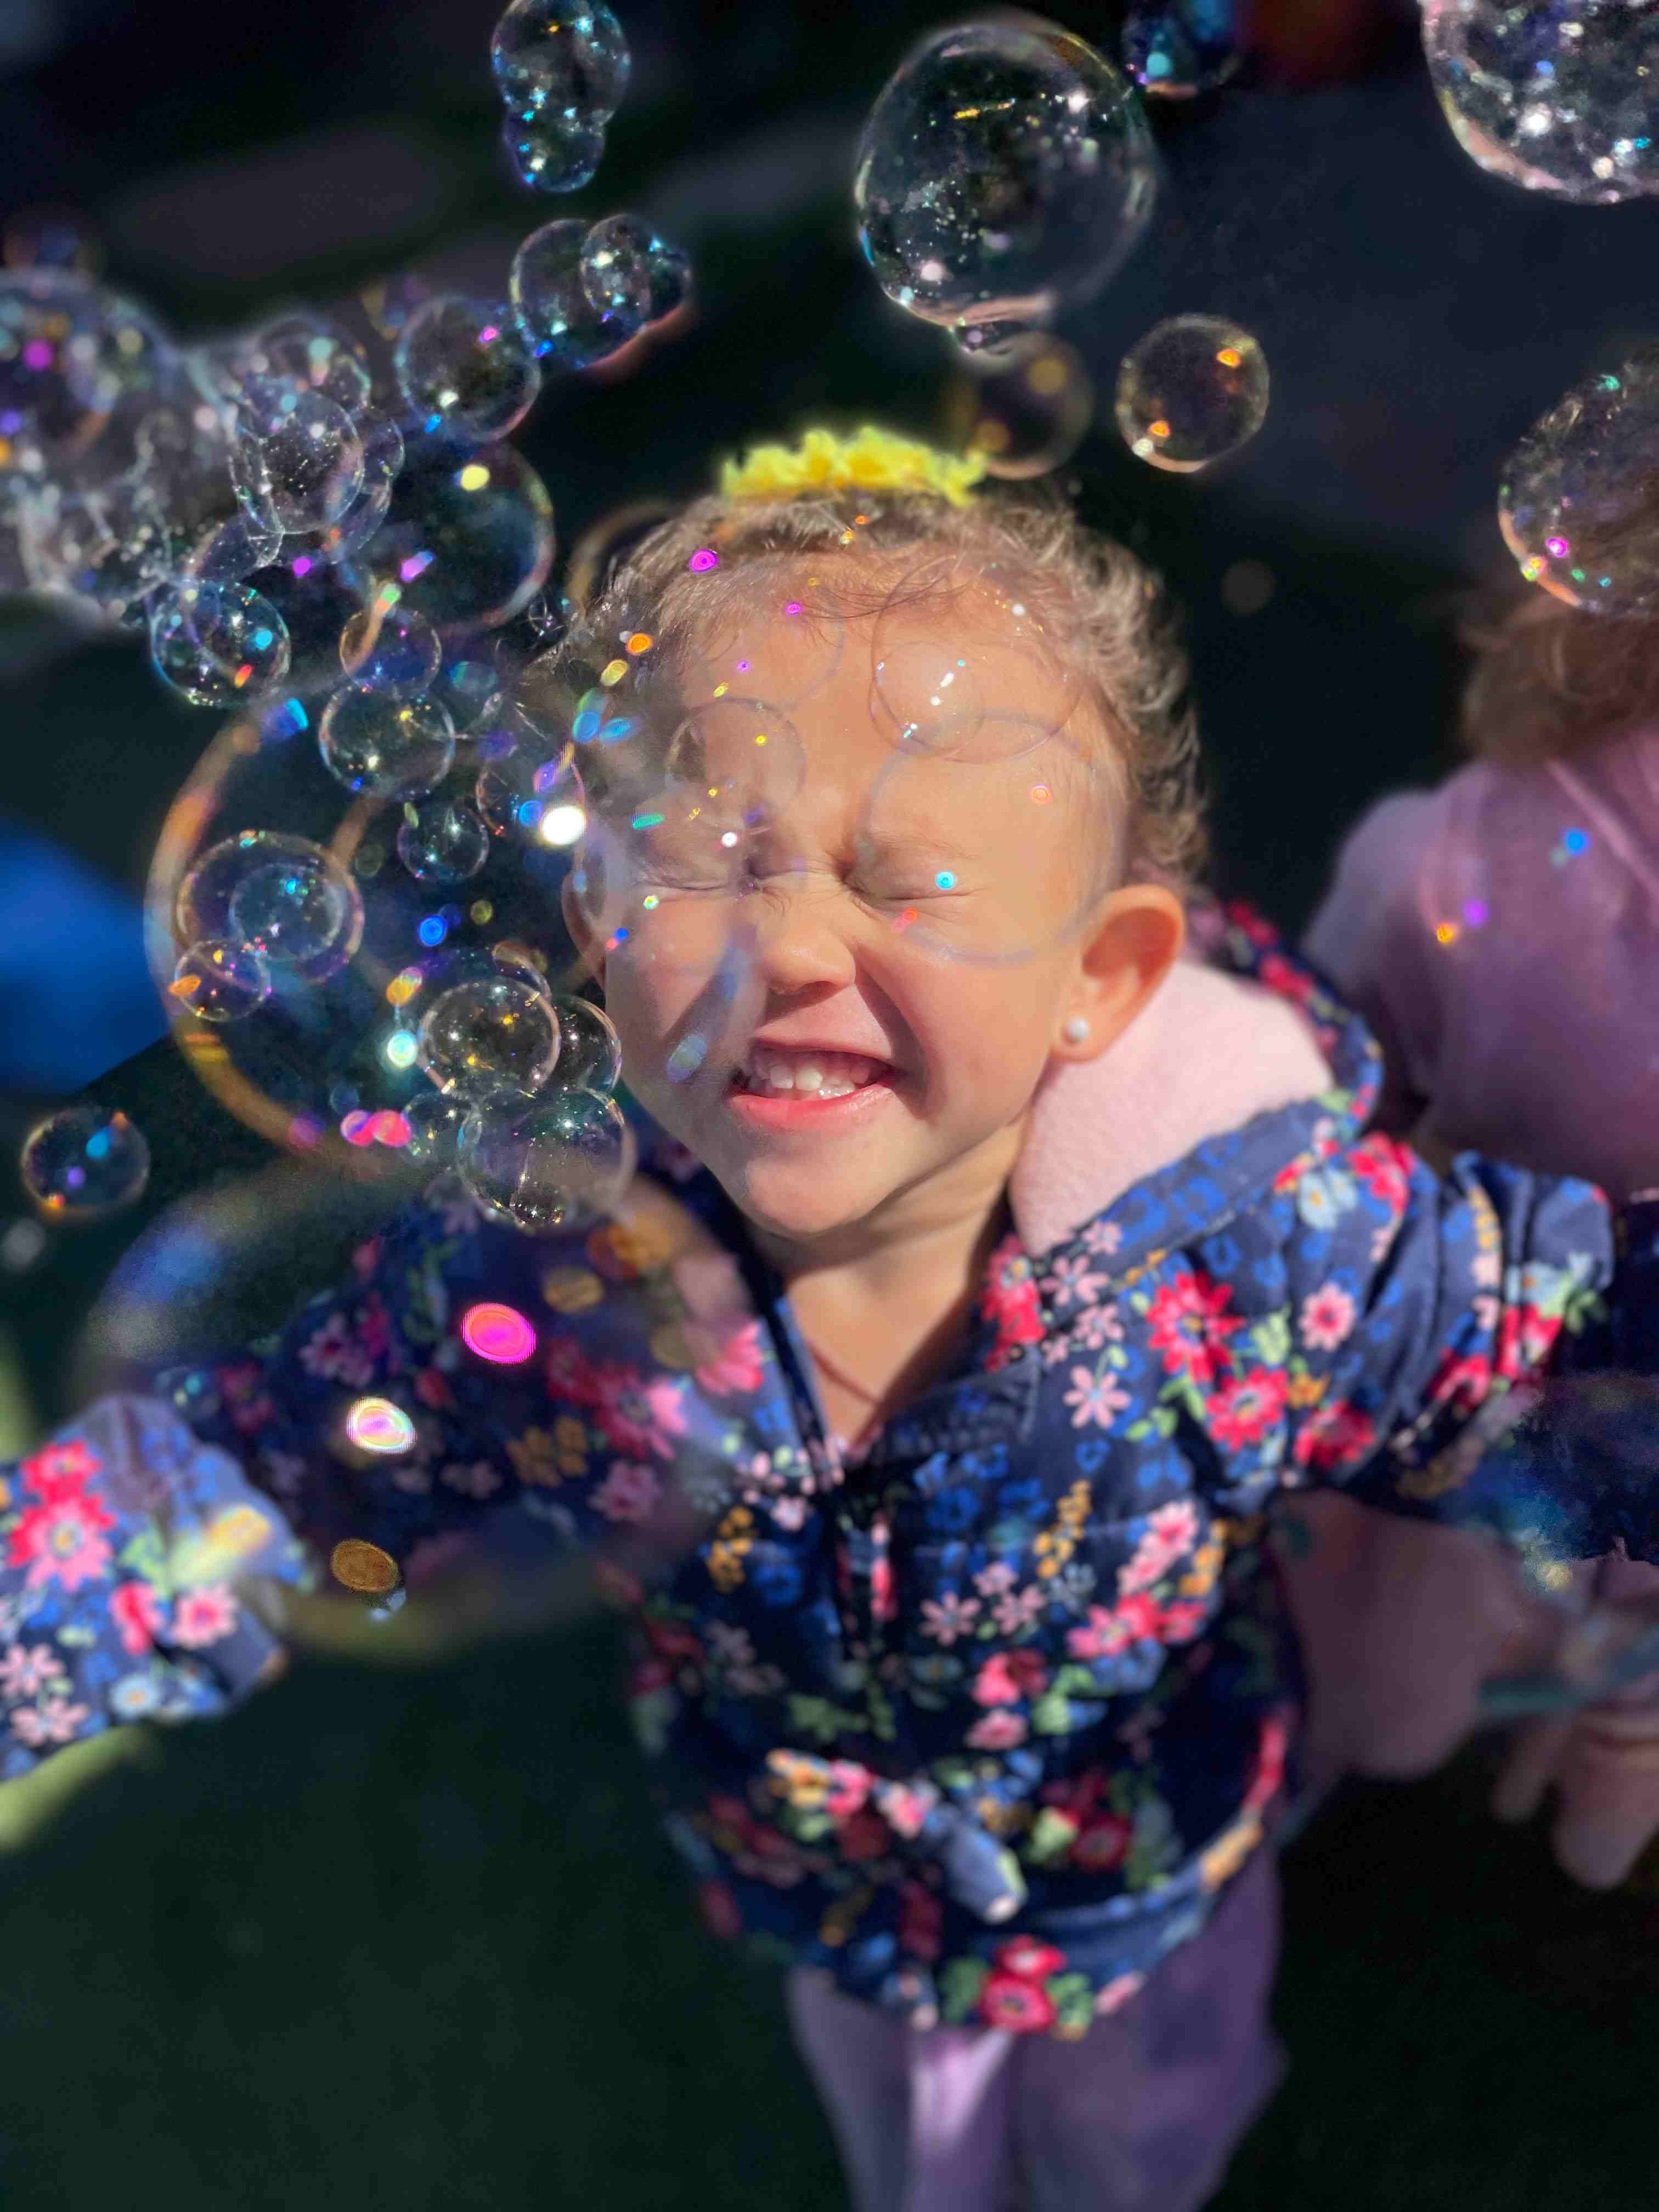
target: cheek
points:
(987, 1032)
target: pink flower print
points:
(738, 1364)
(627, 1492)
(1008, 1676)
(637, 1416)
(1056, 1348)
(1187, 1323)
(1382, 1166)
(1241, 1413)
(26, 1670)
(1071, 1281)
(1010, 1300)
(1461, 1382)
(992, 1581)
(946, 1617)
(848, 1790)
(1096, 1398)
(55, 1721)
(883, 1597)
(1033, 1962)
(789, 1513)
(1102, 1636)
(1102, 1844)
(245, 1397)
(1015, 1612)
(137, 1612)
(433, 1389)
(1334, 1436)
(375, 1330)
(1326, 1317)
(1102, 1238)
(333, 1355)
(570, 1373)
(203, 1616)
(1138, 1617)
(61, 1538)
(999, 1731)
(365, 1259)
(1486, 1270)
(1098, 1325)
(1182, 1620)
(1171, 1531)
(480, 1479)
(54, 1464)
(1118, 1992)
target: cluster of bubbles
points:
(1578, 504)
(1560, 96)
(561, 72)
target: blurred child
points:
(1001, 1259)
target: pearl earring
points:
(1075, 1030)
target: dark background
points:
(368, 1942)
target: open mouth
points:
(770, 1072)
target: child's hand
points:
(1604, 1762)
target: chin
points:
(809, 1206)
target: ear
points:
(589, 950)
(1134, 940)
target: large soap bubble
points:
(1559, 96)
(1006, 168)
(1578, 504)
(468, 535)
(562, 321)
(84, 1162)
(538, 1161)
(497, 1033)
(217, 643)
(374, 741)
(1193, 390)
(288, 898)
(465, 368)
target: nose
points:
(798, 944)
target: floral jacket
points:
(981, 1725)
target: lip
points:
(790, 1111)
(817, 1044)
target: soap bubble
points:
(1175, 49)
(1029, 415)
(434, 1118)
(217, 643)
(382, 442)
(70, 352)
(550, 615)
(444, 840)
(1006, 167)
(374, 741)
(552, 153)
(221, 981)
(1580, 494)
(304, 352)
(109, 546)
(561, 60)
(560, 321)
(318, 601)
(627, 268)
(303, 457)
(285, 896)
(391, 301)
(84, 1161)
(536, 1163)
(514, 791)
(469, 535)
(1554, 98)
(390, 647)
(590, 1051)
(465, 370)
(1193, 390)
(467, 682)
(970, 702)
(494, 1033)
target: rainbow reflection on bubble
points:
(497, 1333)
(375, 1424)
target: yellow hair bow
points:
(873, 460)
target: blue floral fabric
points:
(984, 1725)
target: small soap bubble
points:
(390, 647)
(514, 791)
(560, 322)
(434, 1118)
(627, 268)
(552, 152)
(1193, 390)
(1555, 98)
(444, 841)
(1006, 168)
(536, 1163)
(306, 352)
(468, 535)
(1029, 415)
(550, 615)
(494, 1033)
(217, 644)
(563, 60)
(304, 457)
(229, 549)
(1175, 49)
(1575, 502)
(288, 898)
(83, 1162)
(109, 547)
(465, 370)
(374, 741)
(221, 981)
(590, 1051)
(467, 683)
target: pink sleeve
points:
(1369, 937)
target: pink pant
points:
(1141, 2115)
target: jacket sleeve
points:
(1429, 1319)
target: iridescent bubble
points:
(515, 791)
(1579, 494)
(84, 1161)
(289, 899)
(395, 748)
(1175, 49)
(465, 370)
(1193, 390)
(221, 981)
(1006, 168)
(109, 546)
(444, 840)
(627, 270)
(317, 599)
(382, 442)
(467, 684)
(496, 1032)
(70, 352)
(536, 1163)
(560, 59)
(552, 152)
(217, 643)
(305, 351)
(590, 1051)
(1032, 415)
(390, 302)
(434, 1120)
(550, 615)
(228, 549)
(1556, 98)
(468, 535)
(304, 457)
(559, 320)
(970, 702)
(388, 645)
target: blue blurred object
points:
(75, 996)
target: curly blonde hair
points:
(1550, 679)
(1099, 607)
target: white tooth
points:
(836, 1089)
(809, 1076)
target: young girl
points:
(980, 1722)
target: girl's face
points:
(908, 924)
